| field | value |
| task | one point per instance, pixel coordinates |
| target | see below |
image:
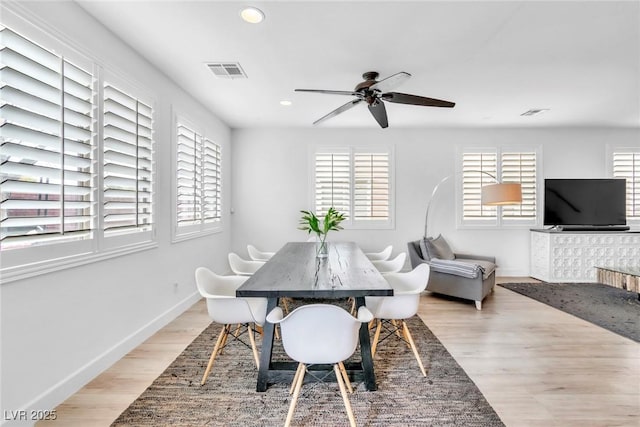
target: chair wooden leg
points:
(237, 331)
(214, 353)
(345, 376)
(345, 398)
(479, 305)
(253, 345)
(224, 340)
(376, 337)
(413, 347)
(352, 310)
(294, 399)
(285, 305)
(295, 378)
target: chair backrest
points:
(222, 304)
(257, 255)
(243, 267)
(391, 266)
(319, 333)
(406, 294)
(380, 256)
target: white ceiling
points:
(580, 59)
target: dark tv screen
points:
(584, 202)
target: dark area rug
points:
(446, 397)
(617, 310)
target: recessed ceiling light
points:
(252, 15)
(285, 102)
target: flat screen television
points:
(585, 202)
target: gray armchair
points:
(458, 275)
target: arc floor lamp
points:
(498, 193)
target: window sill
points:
(25, 271)
(195, 234)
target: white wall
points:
(61, 329)
(271, 170)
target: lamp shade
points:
(502, 194)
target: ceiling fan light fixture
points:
(252, 15)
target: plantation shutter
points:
(520, 167)
(473, 179)
(332, 183)
(46, 164)
(371, 186)
(127, 162)
(211, 181)
(626, 164)
(189, 176)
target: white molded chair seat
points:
(399, 307)
(320, 334)
(224, 308)
(243, 267)
(257, 255)
(391, 266)
(380, 256)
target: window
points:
(127, 163)
(356, 182)
(198, 182)
(46, 136)
(73, 173)
(483, 167)
(626, 164)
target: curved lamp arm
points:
(492, 194)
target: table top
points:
(294, 271)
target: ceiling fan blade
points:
(379, 112)
(338, 110)
(405, 98)
(390, 82)
(330, 92)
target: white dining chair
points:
(257, 255)
(242, 266)
(383, 255)
(391, 312)
(320, 334)
(224, 308)
(391, 266)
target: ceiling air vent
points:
(227, 70)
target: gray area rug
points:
(446, 397)
(611, 308)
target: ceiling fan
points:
(374, 92)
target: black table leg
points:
(267, 348)
(365, 348)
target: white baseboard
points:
(58, 393)
(510, 272)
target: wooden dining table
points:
(295, 272)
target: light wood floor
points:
(535, 365)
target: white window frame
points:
(611, 149)
(203, 228)
(351, 223)
(498, 221)
(49, 256)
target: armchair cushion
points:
(436, 248)
(469, 268)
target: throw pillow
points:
(436, 248)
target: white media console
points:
(572, 256)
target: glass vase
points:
(322, 249)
